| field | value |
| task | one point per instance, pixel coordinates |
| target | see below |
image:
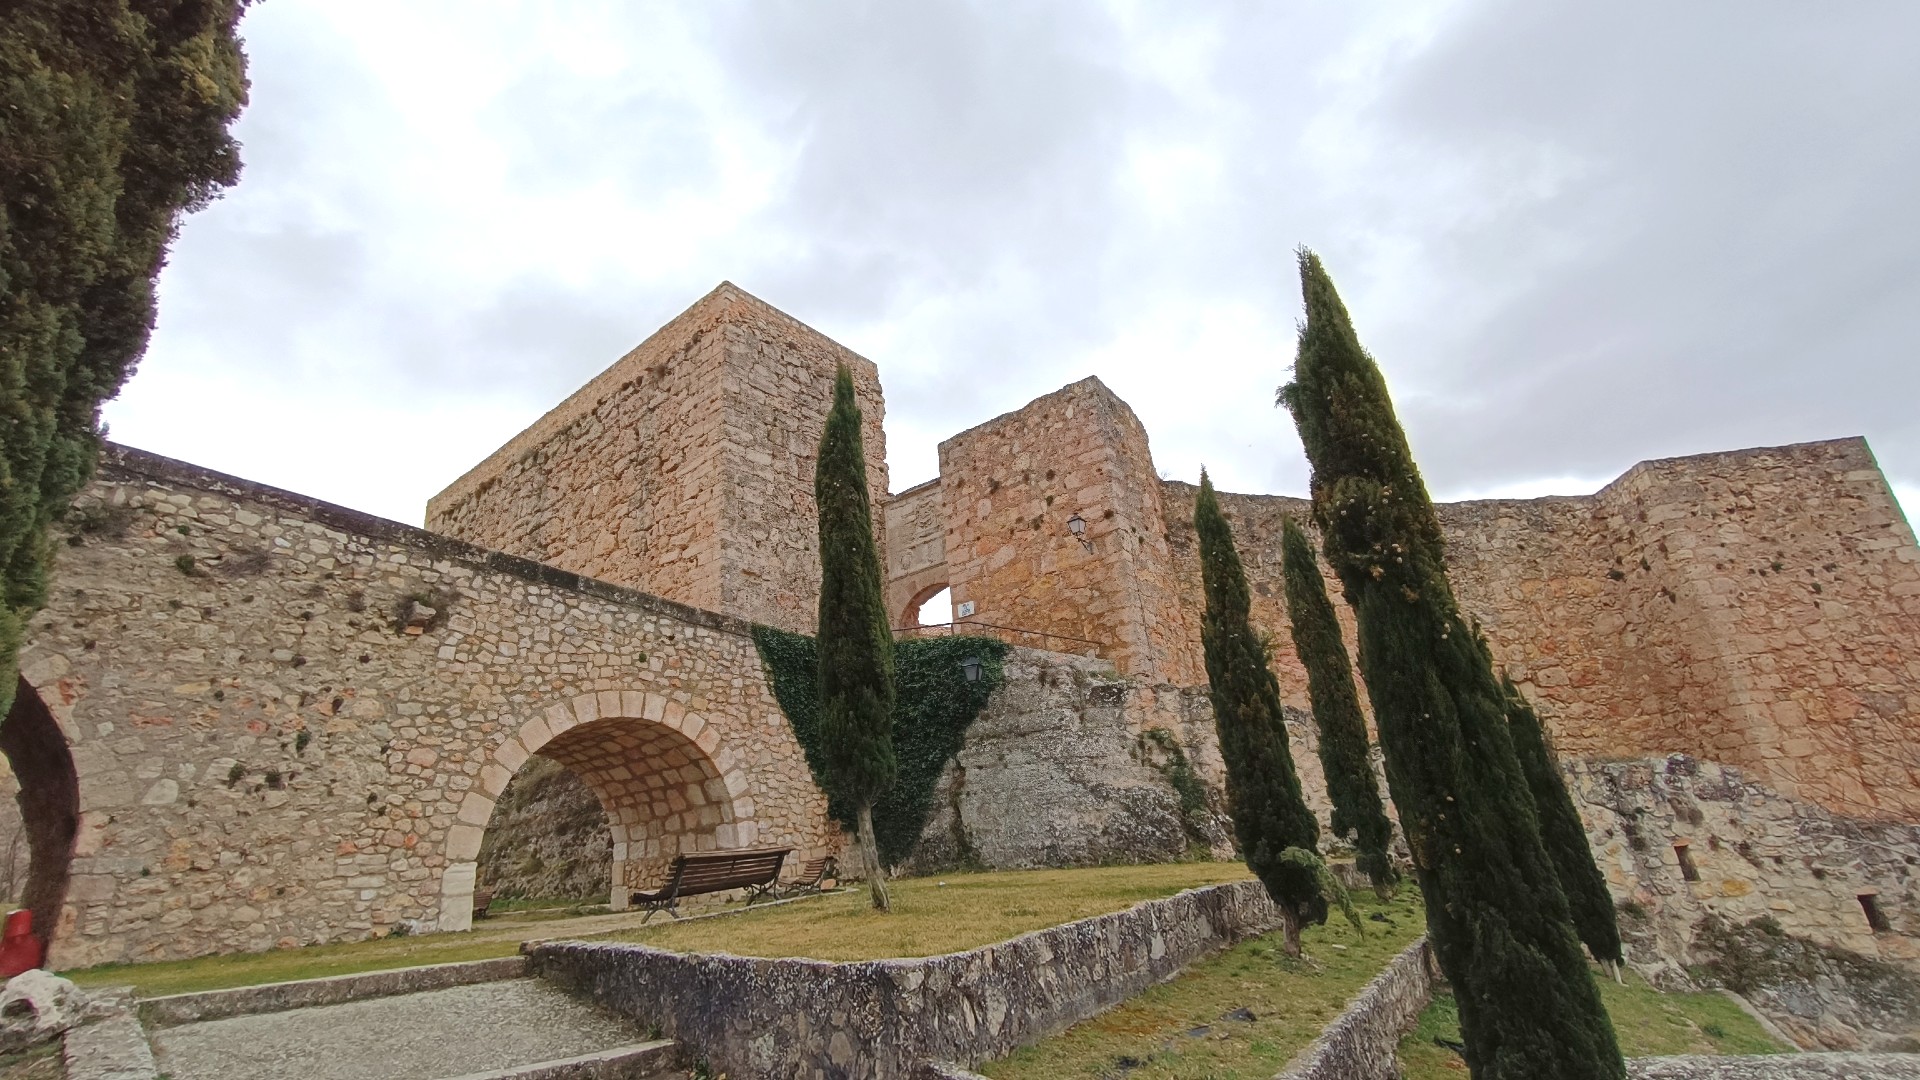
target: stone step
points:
(642, 1061)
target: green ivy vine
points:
(933, 706)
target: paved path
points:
(426, 1036)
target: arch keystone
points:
(632, 703)
(609, 703)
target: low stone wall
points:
(758, 1018)
(1779, 1067)
(175, 1009)
(1362, 1041)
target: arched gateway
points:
(665, 777)
(289, 723)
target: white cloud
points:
(1572, 244)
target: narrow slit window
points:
(1876, 918)
(1687, 869)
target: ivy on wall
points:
(933, 706)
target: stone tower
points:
(685, 469)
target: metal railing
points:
(1092, 648)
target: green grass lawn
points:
(1648, 1023)
(928, 918)
(1239, 1015)
(934, 915)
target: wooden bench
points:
(481, 899)
(814, 874)
(756, 870)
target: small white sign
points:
(965, 609)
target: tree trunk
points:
(1290, 926)
(870, 854)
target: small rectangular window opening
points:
(1876, 918)
(1687, 869)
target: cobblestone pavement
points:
(426, 1036)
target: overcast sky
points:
(1575, 236)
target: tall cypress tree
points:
(1336, 710)
(114, 123)
(1562, 831)
(855, 642)
(1277, 833)
(1496, 915)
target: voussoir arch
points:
(665, 775)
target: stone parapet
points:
(1363, 1041)
(763, 1018)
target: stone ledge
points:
(620, 1063)
(1362, 1043)
(763, 1018)
(1779, 1067)
(111, 1049)
(176, 1009)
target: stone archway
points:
(665, 778)
(49, 798)
(909, 615)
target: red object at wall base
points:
(20, 950)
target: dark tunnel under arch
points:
(49, 803)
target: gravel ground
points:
(427, 1036)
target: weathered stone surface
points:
(548, 837)
(1363, 1040)
(760, 1018)
(36, 1006)
(1779, 1067)
(1063, 741)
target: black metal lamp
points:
(1077, 525)
(970, 667)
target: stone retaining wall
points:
(1779, 1067)
(760, 1018)
(1362, 1041)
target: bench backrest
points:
(718, 871)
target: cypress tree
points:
(1561, 830)
(114, 123)
(855, 642)
(1496, 915)
(1336, 711)
(1277, 833)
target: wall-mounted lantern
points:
(970, 667)
(1077, 525)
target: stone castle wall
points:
(1759, 608)
(290, 721)
(685, 469)
(1012, 486)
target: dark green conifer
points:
(1496, 915)
(1562, 831)
(1336, 711)
(113, 122)
(1270, 816)
(855, 643)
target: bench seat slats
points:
(755, 870)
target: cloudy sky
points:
(1575, 236)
